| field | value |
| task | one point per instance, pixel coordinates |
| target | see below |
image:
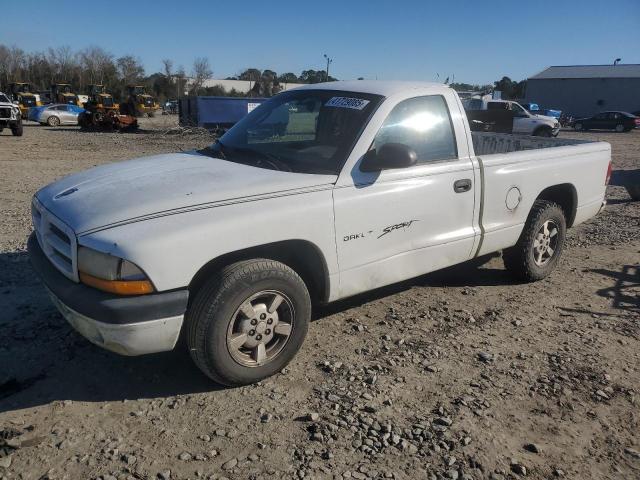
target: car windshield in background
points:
(305, 131)
(4, 99)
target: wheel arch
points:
(304, 257)
(566, 196)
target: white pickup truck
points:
(10, 116)
(320, 193)
(522, 121)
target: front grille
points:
(5, 113)
(57, 240)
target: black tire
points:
(53, 121)
(18, 129)
(543, 132)
(214, 309)
(578, 127)
(519, 260)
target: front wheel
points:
(18, 129)
(619, 128)
(578, 127)
(247, 322)
(540, 245)
(53, 121)
(543, 132)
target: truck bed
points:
(488, 143)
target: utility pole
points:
(329, 61)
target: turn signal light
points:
(119, 287)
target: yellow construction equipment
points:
(140, 102)
(21, 93)
(62, 93)
(102, 112)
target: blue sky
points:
(407, 40)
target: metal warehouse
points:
(584, 90)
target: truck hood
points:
(110, 194)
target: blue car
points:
(56, 114)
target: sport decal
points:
(397, 226)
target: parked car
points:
(170, 107)
(369, 183)
(10, 116)
(618, 121)
(58, 114)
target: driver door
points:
(522, 122)
(397, 224)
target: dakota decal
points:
(385, 230)
(355, 236)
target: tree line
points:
(95, 65)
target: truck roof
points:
(377, 87)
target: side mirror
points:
(389, 156)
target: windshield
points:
(304, 131)
(28, 101)
(4, 99)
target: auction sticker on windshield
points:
(346, 102)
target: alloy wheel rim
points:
(260, 328)
(545, 243)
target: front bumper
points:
(125, 325)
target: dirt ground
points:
(461, 374)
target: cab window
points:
(423, 124)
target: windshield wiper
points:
(271, 160)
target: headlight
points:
(111, 274)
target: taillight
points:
(606, 182)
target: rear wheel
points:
(248, 321)
(578, 127)
(634, 191)
(53, 121)
(620, 128)
(540, 245)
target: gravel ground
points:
(460, 374)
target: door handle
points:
(461, 186)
